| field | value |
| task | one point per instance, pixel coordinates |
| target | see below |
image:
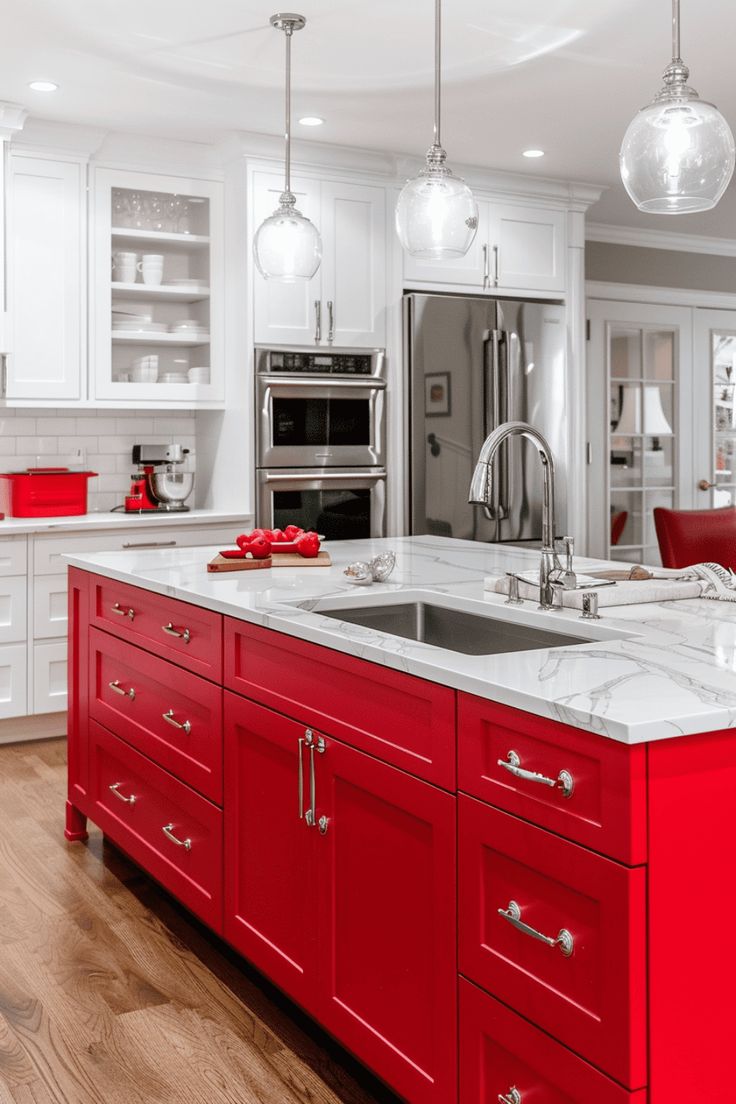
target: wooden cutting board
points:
(282, 559)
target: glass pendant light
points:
(436, 213)
(677, 156)
(287, 246)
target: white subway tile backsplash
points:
(97, 426)
(7, 446)
(142, 426)
(174, 426)
(114, 444)
(38, 446)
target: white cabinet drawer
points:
(48, 551)
(13, 605)
(13, 555)
(50, 614)
(49, 676)
(13, 681)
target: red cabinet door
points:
(387, 927)
(270, 872)
(589, 991)
(505, 1058)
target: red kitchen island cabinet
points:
(426, 872)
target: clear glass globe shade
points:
(677, 156)
(287, 246)
(436, 216)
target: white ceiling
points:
(565, 75)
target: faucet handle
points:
(513, 598)
(569, 578)
(590, 606)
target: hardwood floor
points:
(110, 992)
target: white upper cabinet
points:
(156, 289)
(46, 247)
(345, 302)
(517, 248)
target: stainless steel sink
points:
(462, 625)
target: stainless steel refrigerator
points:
(474, 363)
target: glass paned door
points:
(639, 355)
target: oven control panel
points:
(318, 362)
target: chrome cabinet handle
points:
(317, 321)
(171, 719)
(564, 782)
(513, 1096)
(115, 787)
(495, 265)
(149, 544)
(330, 321)
(167, 830)
(323, 823)
(118, 609)
(305, 739)
(319, 745)
(121, 690)
(183, 634)
(486, 270)
(563, 940)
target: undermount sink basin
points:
(458, 625)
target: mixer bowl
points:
(172, 488)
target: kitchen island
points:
(491, 863)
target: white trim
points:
(659, 239)
(676, 297)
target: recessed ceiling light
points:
(311, 120)
(533, 153)
(43, 86)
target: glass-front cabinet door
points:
(638, 448)
(157, 296)
(715, 408)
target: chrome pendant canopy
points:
(436, 213)
(677, 156)
(287, 245)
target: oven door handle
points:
(321, 383)
(324, 476)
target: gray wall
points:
(631, 264)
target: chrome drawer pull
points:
(168, 832)
(118, 609)
(115, 787)
(319, 745)
(171, 719)
(564, 940)
(305, 739)
(121, 689)
(513, 1096)
(149, 544)
(564, 782)
(184, 634)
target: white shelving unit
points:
(182, 221)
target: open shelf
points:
(163, 293)
(163, 237)
(126, 337)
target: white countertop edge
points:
(632, 733)
(17, 526)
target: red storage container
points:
(44, 492)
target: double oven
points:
(321, 440)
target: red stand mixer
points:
(153, 488)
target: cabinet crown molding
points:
(12, 120)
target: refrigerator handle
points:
(504, 415)
(495, 410)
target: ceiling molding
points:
(12, 120)
(668, 240)
(671, 297)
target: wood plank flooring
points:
(110, 992)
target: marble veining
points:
(676, 677)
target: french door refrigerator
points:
(475, 363)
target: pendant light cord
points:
(676, 30)
(287, 113)
(437, 71)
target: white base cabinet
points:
(13, 680)
(344, 304)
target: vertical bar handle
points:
(317, 321)
(305, 739)
(486, 270)
(330, 321)
(495, 266)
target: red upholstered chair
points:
(696, 536)
(618, 524)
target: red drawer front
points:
(398, 718)
(170, 715)
(500, 1053)
(193, 873)
(606, 808)
(593, 1000)
(185, 634)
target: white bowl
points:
(144, 375)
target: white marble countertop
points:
(676, 677)
(17, 526)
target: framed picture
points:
(437, 394)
